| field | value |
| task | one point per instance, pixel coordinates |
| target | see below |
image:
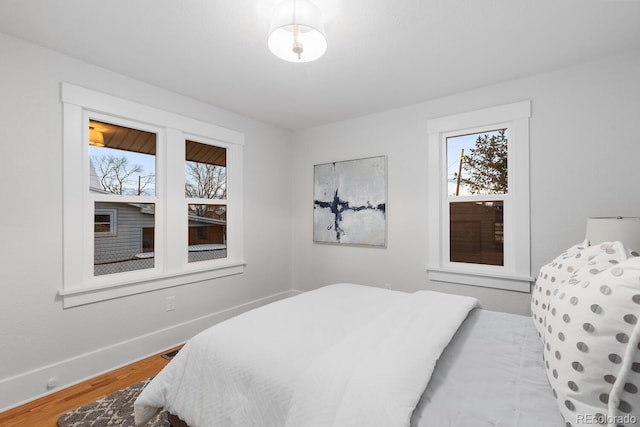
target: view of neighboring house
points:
(124, 233)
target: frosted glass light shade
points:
(607, 229)
(297, 31)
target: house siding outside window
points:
(150, 246)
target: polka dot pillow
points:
(598, 258)
(550, 277)
(592, 350)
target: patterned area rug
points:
(115, 409)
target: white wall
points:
(584, 151)
(39, 339)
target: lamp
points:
(607, 229)
(96, 138)
(297, 31)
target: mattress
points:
(490, 374)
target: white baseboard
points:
(31, 385)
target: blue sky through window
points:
(455, 145)
(146, 161)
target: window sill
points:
(74, 297)
(482, 279)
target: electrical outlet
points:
(170, 303)
(388, 285)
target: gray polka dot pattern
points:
(597, 324)
(550, 277)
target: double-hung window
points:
(152, 199)
(105, 223)
(479, 194)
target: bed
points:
(352, 355)
(312, 359)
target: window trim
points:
(78, 286)
(515, 275)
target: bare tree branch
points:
(118, 176)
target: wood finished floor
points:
(45, 411)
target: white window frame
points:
(515, 274)
(113, 221)
(201, 201)
(171, 266)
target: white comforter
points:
(342, 355)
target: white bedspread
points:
(342, 355)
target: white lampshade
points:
(608, 229)
(297, 31)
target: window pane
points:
(477, 163)
(102, 228)
(207, 232)
(103, 218)
(121, 160)
(125, 249)
(476, 232)
(205, 171)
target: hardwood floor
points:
(45, 411)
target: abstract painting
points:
(350, 202)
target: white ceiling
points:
(382, 54)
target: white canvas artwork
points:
(350, 202)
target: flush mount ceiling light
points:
(96, 138)
(297, 31)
